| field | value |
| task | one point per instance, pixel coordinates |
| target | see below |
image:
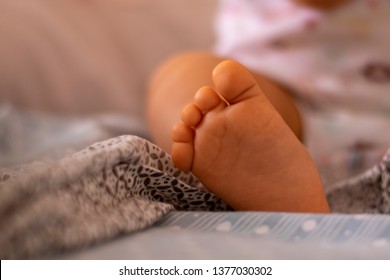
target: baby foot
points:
(239, 147)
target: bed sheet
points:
(124, 184)
(252, 235)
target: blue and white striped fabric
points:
(298, 228)
(253, 235)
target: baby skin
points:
(239, 147)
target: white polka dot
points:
(175, 228)
(309, 225)
(264, 229)
(381, 242)
(225, 227)
(347, 232)
(360, 217)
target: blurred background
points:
(73, 72)
(63, 56)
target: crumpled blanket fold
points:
(367, 193)
(123, 185)
(116, 186)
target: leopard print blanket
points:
(123, 185)
(117, 186)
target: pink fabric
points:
(337, 62)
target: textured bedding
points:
(250, 235)
(122, 185)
